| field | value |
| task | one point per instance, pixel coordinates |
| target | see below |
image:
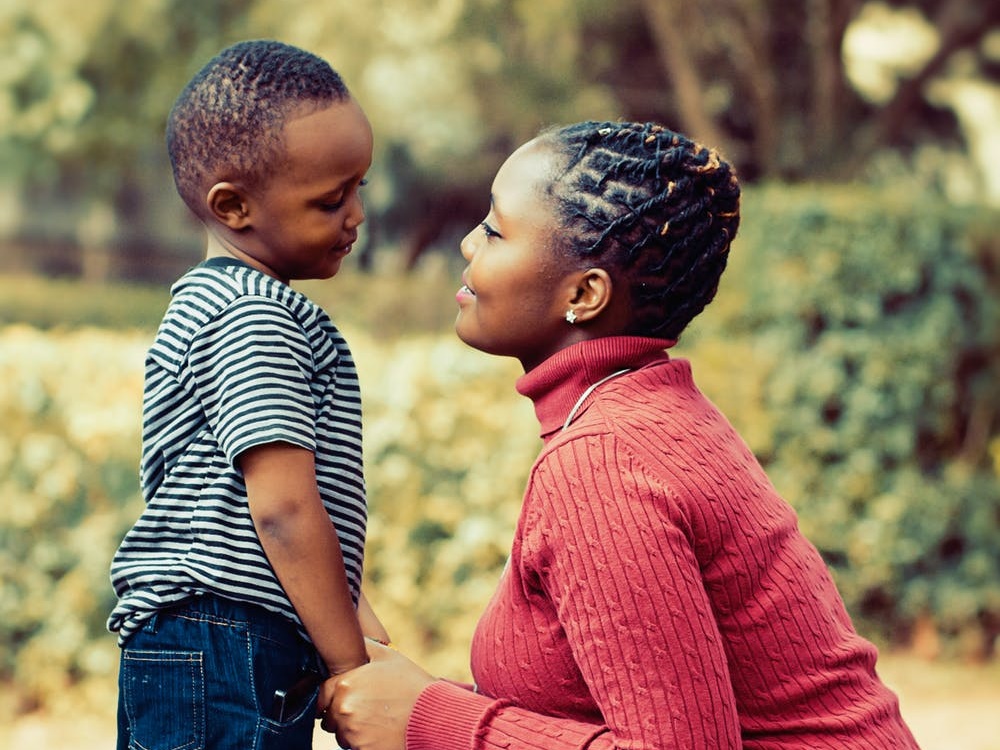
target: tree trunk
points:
(665, 18)
(748, 47)
(827, 23)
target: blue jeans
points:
(204, 675)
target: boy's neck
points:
(220, 247)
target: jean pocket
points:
(164, 695)
(296, 734)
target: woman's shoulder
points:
(654, 427)
(660, 402)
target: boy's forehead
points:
(333, 139)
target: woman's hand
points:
(372, 703)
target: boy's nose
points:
(357, 215)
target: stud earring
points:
(570, 317)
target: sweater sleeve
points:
(614, 555)
(626, 588)
(449, 716)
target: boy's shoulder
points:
(213, 286)
(208, 295)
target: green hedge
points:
(872, 323)
(855, 344)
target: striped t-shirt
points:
(240, 360)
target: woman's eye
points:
(489, 231)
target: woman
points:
(658, 593)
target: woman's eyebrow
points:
(493, 206)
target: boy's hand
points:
(371, 705)
(326, 691)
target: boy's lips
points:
(345, 248)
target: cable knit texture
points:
(659, 593)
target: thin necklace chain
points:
(579, 401)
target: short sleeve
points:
(251, 368)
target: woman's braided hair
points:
(654, 209)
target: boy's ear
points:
(592, 294)
(228, 204)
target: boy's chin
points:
(328, 271)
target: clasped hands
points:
(367, 708)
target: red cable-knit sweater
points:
(659, 593)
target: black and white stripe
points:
(240, 360)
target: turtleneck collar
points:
(555, 385)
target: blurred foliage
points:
(67, 472)
(451, 86)
(94, 81)
(855, 344)
(389, 304)
(58, 303)
(869, 386)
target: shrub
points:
(854, 344)
(867, 328)
(67, 475)
(448, 443)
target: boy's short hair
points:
(226, 123)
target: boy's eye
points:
(337, 205)
(489, 231)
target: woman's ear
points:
(228, 204)
(592, 294)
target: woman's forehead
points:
(525, 176)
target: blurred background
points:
(855, 341)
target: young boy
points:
(238, 586)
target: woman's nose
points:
(466, 245)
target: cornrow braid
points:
(654, 208)
(228, 119)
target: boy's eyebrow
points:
(330, 193)
(339, 188)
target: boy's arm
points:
(302, 546)
(371, 626)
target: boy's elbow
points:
(279, 518)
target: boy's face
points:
(304, 219)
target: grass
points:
(949, 706)
(387, 304)
(60, 303)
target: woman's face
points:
(516, 289)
